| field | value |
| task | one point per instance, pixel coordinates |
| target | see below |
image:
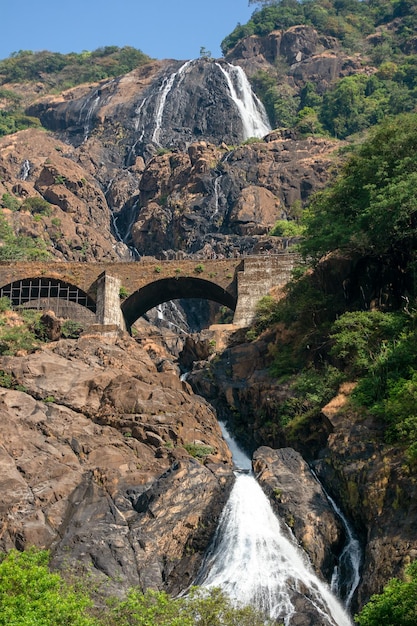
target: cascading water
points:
(198, 98)
(24, 170)
(164, 91)
(346, 575)
(254, 563)
(90, 104)
(254, 118)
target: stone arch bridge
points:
(92, 291)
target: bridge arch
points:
(43, 292)
(176, 288)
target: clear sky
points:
(160, 28)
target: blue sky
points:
(161, 28)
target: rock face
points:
(148, 159)
(95, 467)
(301, 502)
(310, 56)
(76, 224)
(376, 490)
(167, 104)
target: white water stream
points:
(254, 562)
(91, 103)
(166, 87)
(252, 112)
(24, 170)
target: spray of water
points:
(163, 95)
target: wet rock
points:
(300, 501)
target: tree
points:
(371, 207)
(30, 594)
(396, 605)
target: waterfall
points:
(132, 250)
(92, 103)
(166, 87)
(252, 112)
(253, 562)
(216, 195)
(346, 575)
(24, 170)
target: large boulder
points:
(300, 501)
(95, 463)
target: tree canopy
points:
(371, 207)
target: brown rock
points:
(75, 466)
(255, 211)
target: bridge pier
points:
(256, 278)
(108, 311)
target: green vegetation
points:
(58, 72)
(396, 605)
(348, 20)
(199, 450)
(324, 335)
(371, 207)
(32, 595)
(37, 205)
(287, 228)
(71, 329)
(19, 247)
(123, 293)
(67, 70)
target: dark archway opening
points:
(167, 289)
(43, 293)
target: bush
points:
(35, 204)
(10, 202)
(71, 329)
(287, 228)
(30, 594)
(396, 605)
(198, 450)
(123, 293)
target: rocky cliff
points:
(95, 463)
(147, 163)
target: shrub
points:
(10, 202)
(396, 605)
(71, 329)
(199, 269)
(31, 594)
(198, 450)
(5, 304)
(287, 228)
(35, 204)
(123, 293)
